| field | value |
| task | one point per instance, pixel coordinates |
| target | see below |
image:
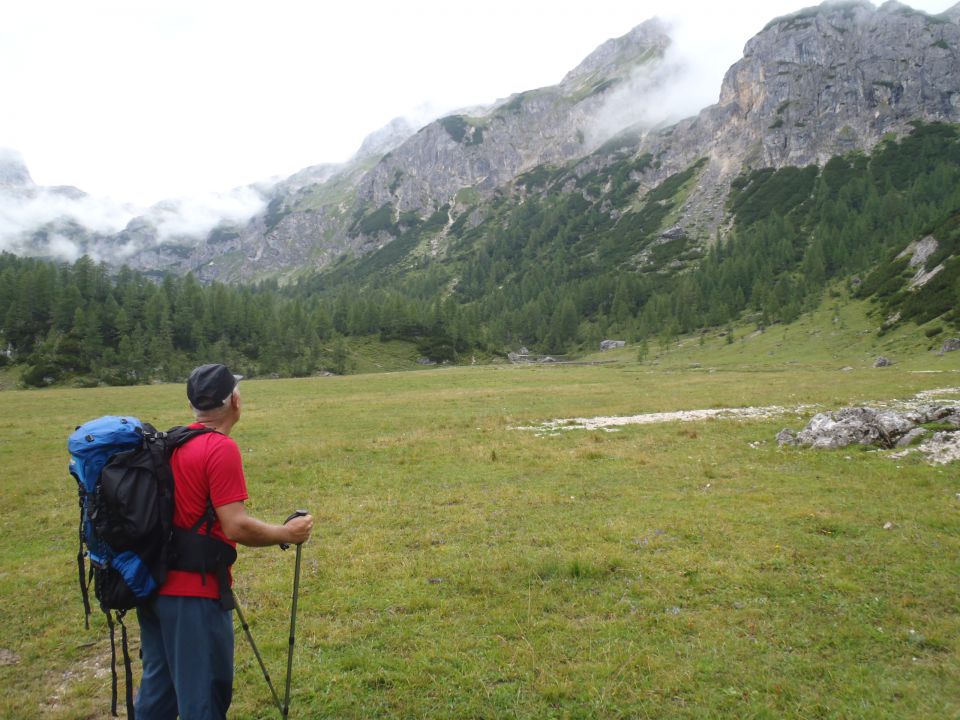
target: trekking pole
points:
(293, 615)
(266, 675)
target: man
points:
(186, 633)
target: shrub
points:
(40, 375)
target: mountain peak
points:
(891, 6)
(386, 138)
(617, 56)
(13, 170)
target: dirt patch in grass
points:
(608, 423)
(95, 667)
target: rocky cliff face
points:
(400, 175)
(547, 126)
(824, 81)
(833, 79)
(821, 82)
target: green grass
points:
(461, 568)
(840, 334)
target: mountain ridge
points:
(820, 82)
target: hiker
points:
(186, 632)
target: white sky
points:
(141, 100)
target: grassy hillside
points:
(842, 333)
(464, 568)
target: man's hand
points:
(299, 528)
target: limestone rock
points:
(908, 439)
(786, 437)
(855, 426)
(942, 448)
(950, 345)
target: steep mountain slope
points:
(920, 282)
(450, 163)
(822, 82)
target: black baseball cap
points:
(209, 385)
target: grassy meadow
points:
(462, 568)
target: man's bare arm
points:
(247, 530)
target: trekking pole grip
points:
(294, 514)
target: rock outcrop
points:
(824, 81)
(821, 82)
(867, 426)
(950, 345)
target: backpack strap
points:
(127, 666)
(113, 664)
(223, 556)
(81, 568)
(196, 549)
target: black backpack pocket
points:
(127, 510)
(111, 590)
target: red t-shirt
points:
(207, 466)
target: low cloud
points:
(64, 248)
(26, 213)
(684, 82)
(65, 223)
(33, 220)
(197, 215)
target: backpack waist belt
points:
(202, 553)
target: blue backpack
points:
(126, 493)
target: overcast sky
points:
(139, 100)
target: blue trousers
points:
(187, 648)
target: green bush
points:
(40, 375)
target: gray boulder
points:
(855, 426)
(908, 439)
(786, 437)
(881, 361)
(949, 345)
(936, 413)
(612, 344)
